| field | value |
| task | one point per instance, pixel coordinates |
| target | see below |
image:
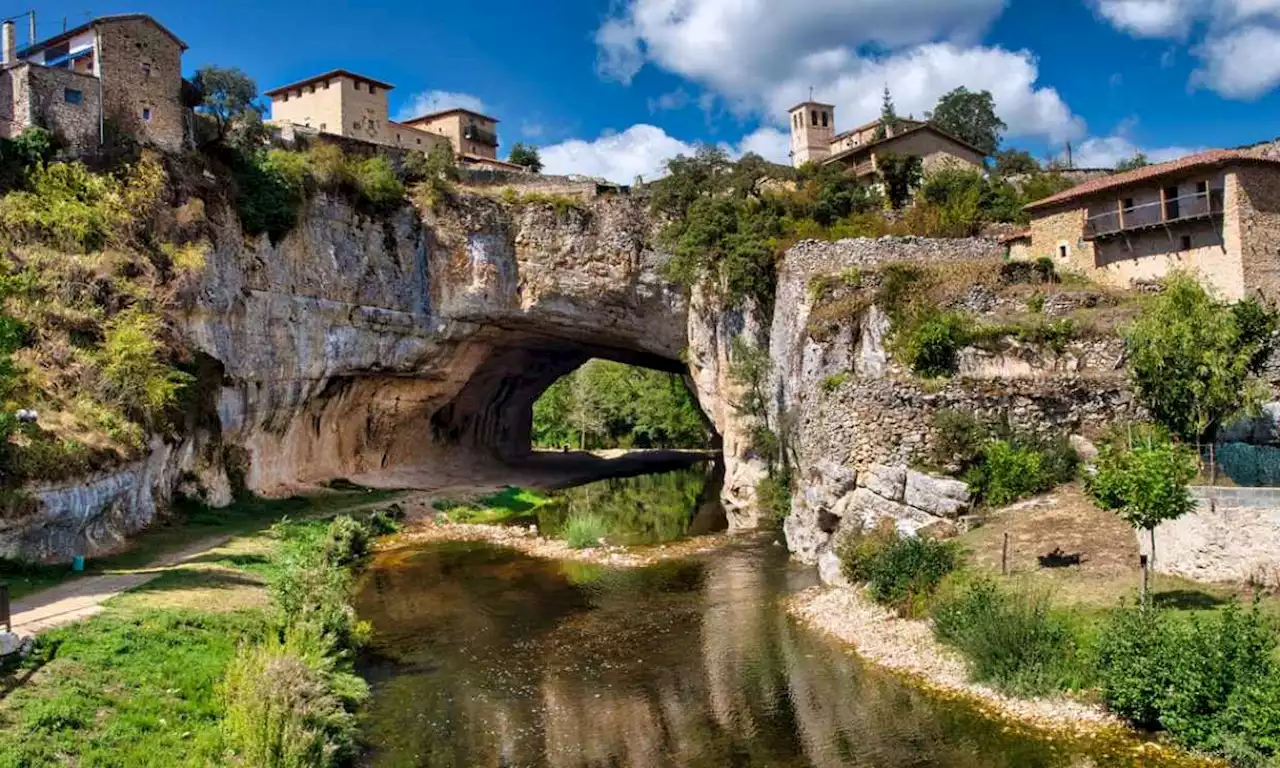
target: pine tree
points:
(888, 117)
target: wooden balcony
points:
(1162, 213)
(480, 136)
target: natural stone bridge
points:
(357, 346)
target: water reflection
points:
(485, 657)
(646, 509)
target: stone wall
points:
(1258, 218)
(1050, 230)
(31, 94)
(1232, 536)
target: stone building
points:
(1215, 214)
(120, 74)
(343, 103)
(814, 140)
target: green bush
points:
(68, 206)
(1013, 469)
(585, 530)
(135, 375)
(1013, 641)
(287, 706)
(773, 495)
(958, 439)
(346, 541)
(902, 572)
(376, 181)
(1207, 681)
(270, 189)
(930, 344)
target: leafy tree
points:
(901, 175)
(1137, 161)
(228, 96)
(828, 193)
(889, 120)
(526, 155)
(689, 179)
(1194, 360)
(970, 116)
(1145, 484)
(1042, 185)
(1015, 162)
(959, 194)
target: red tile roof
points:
(326, 76)
(1212, 159)
(1013, 237)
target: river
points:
(483, 656)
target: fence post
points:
(1004, 556)
(1146, 569)
(4, 608)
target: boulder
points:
(1084, 448)
(829, 568)
(939, 496)
(10, 643)
(804, 537)
(888, 482)
(870, 508)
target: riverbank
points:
(908, 647)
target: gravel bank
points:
(910, 647)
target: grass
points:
(508, 505)
(138, 685)
(585, 531)
(190, 524)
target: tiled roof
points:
(325, 76)
(1211, 159)
(443, 112)
(1013, 237)
(70, 33)
(901, 134)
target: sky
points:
(614, 88)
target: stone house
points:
(814, 140)
(1215, 214)
(343, 103)
(120, 74)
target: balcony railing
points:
(1168, 211)
(480, 136)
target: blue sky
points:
(614, 87)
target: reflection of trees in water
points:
(648, 509)
(512, 661)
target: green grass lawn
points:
(138, 685)
(508, 505)
(189, 524)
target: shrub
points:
(773, 495)
(1011, 640)
(346, 541)
(930, 344)
(585, 530)
(67, 206)
(1014, 469)
(330, 167)
(958, 439)
(270, 188)
(377, 184)
(901, 571)
(1203, 680)
(287, 707)
(310, 591)
(832, 383)
(134, 373)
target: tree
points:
(888, 117)
(1146, 483)
(1015, 162)
(228, 96)
(970, 116)
(526, 155)
(1137, 161)
(1194, 360)
(901, 174)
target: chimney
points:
(10, 42)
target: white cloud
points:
(641, 150)
(1109, 151)
(426, 102)
(1240, 65)
(1236, 43)
(763, 56)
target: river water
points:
(483, 656)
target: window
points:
(72, 96)
(356, 125)
(323, 126)
(146, 114)
(1186, 243)
(1202, 188)
(824, 119)
(1127, 205)
(146, 70)
(1062, 252)
(419, 141)
(373, 89)
(813, 116)
(325, 85)
(284, 96)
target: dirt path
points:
(81, 598)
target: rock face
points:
(361, 345)
(852, 410)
